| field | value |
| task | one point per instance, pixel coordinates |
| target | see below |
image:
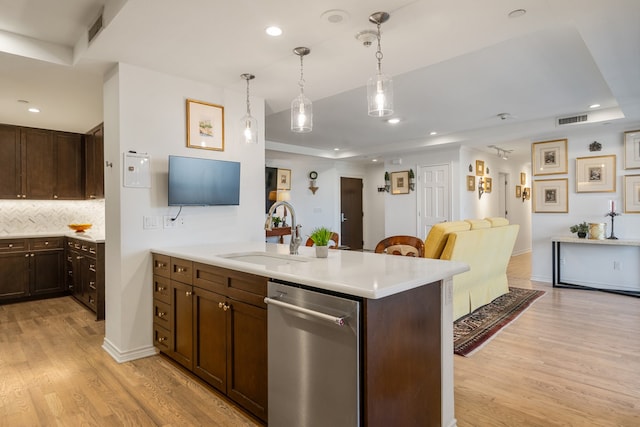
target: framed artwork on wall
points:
(518, 191)
(551, 196)
(471, 183)
(632, 149)
(284, 179)
(479, 167)
(400, 182)
(549, 157)
(205, 125)
(488, 184)
(632, 194)
(523, 178)
(596, 174)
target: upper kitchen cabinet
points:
(38, 164)
(94, 162)
(69, 184)
(10, 184)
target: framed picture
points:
(400, 182)
(283, 179)
(205, 125)
(523, 178)
(549, 157)
(551, 196)
(632, 194)
(487, 185)
(632, 149)
(518, 191)
(471, 183)
(479, 167)
(596, 174)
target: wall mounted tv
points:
(203, 182)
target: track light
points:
(501, 152)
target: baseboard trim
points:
(544, 279)
(127, 356)
(453, 423)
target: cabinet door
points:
(46, 272)
(10, 186)
(247, 357)
(210, 338)
(38, 177)
(14, 275)
(69, 161)
(182, 324)
(94, 163)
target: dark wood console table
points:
(279, 232)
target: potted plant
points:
(276, 221)
(582, 229)
(412, 179)
(387, 180)
(320, 237)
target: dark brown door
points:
(210, 330)
(10, 186)
(46, 272)
(182, 328)
(14, 275)
(351, 212)
(39, 171)
(94, 160)
(69, 161)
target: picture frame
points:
(488, 185)
(549, 157)
(205, 125)
(283, 179)
(596, 174)
(551, 195)
(471, 183)
(632, 194)
(479, 167)
(518, 192)
(400, 182)
(523, 178)
(632, 149)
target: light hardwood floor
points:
(572, 359)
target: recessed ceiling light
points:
(393, 121)
(433, 133)
(34, 110)
(517, 13)
(336, 149)
(273, 31)
(594, 105)
(335, 16)
(374, 160)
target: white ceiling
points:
(456, 65)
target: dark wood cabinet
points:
(85, 273)
(218, 327)
(31, 268)
(10, 164)
(69, 183)
(38, 166)
(94, 163)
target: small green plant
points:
(579, 228)
(276, 220)
(321, 236)
(386, 176)
(411, 175)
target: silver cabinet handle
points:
(333, 319)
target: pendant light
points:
(301, 108)
(380, 86)
(248, 123)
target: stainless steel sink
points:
(266, 259)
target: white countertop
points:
(362, 274)
(87, 235)
(614, 242)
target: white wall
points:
(145, 112)
(374, 206)
(589, 207)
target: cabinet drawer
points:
(13, 245)
(161, 338)
(89, 247)
(181, 270)
(162, 314)
(247, 287)
(46, 243)
(161, 289)
(161, 265)
(210, 278)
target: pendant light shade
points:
(380, 86)
(248, 123)
(301, 108)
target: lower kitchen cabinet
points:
(217, 327)
(85, 273)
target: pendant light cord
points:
(248, 105)
(301, 82)
(379, 51)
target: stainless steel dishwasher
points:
(314, 360)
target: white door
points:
(434, 201)
(502, 187)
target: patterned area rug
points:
(473, 331)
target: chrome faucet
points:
(295, 229)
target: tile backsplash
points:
(25, 216)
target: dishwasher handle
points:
(333, 319)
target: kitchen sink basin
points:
(266, 259)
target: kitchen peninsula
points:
(406, 343)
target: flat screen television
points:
(203, 182)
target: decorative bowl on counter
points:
(79, 228)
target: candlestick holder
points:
(612, 214)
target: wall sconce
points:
(387, 183)
(525, 193)
(480, 188)
(412, 180)
(312, 181)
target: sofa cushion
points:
(498, 221)
(477, 224)
(437, 238)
